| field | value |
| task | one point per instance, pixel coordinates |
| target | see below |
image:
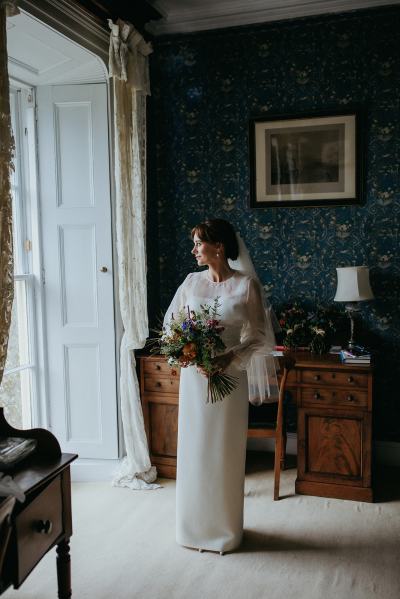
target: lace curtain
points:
(8, 8)
(128, 66)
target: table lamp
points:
(353, 287)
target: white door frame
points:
(76, 24)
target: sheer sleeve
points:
(254, 353)
(257, 336)
(178, 302)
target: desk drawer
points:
(32, 544)
(161, 384)
(158, 367)
(337, 379)
(334, 397)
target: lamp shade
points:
(353, 284)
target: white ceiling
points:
(183, 16)
(38, 55)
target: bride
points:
(212, 437)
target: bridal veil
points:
(261, 369)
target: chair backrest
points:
(6, 508)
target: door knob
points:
(104, 269)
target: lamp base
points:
(351, 308)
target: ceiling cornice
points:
(223, 14)
(73, 21)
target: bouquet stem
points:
(219, 386)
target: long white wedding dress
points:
(212, 437)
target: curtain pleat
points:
(7, 8)
(128, 65)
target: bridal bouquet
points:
(193, 338)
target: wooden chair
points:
(276, 429)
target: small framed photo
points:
(306, 160)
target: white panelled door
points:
(77, 259)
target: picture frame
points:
(306, 159)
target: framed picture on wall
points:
(306, 160)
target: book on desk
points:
(356, 355)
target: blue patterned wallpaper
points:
(205, 87)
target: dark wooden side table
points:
(334, 428)
(334, 425)
(44, 520)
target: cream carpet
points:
(299, 547)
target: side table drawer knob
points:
(350, 398)
(350, 379)
(317, 396)
(158, 384)
(317, 377)
(44, 526)
(158, 367)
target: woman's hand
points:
(220, 364)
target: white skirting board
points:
(93, 470)
(103, 470)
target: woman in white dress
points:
(212, 436)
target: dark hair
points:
(218, 230)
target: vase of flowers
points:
(323, 326)
(294, 324)
(318, 342)
(313, 329)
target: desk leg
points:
(64, 570)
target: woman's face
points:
(204, 251)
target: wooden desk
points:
(44, 520)
(334, 437)
(334, 428)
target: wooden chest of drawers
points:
(159, 386)
(334, 430)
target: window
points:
(19, 388)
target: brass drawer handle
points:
(350, 379)
(158, 384)
(317, 396)
(316, 377)
(350, 398)
(44, 527)
(158, 367)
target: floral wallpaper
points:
(205, 87)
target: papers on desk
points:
(15, 449)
